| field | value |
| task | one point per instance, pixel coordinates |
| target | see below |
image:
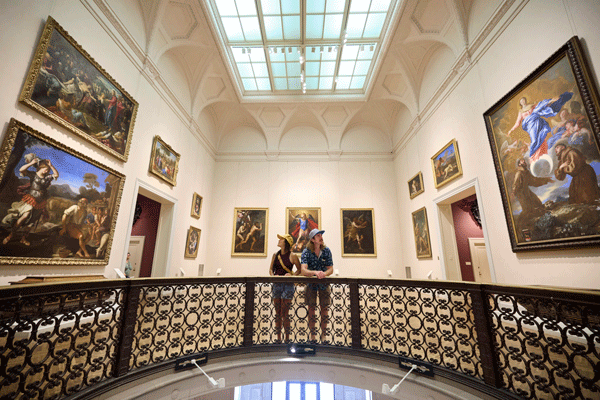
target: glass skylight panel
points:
(312, 68)
(251, 29)
(326, 83)
(260, 70)
(315, 6)
(273, 28)
(312, 83)
(290, 6)
(249, 83)
(227, 8)
(263, 84)
(380, 6)
(343, 83)
(233, 28)
(280, 83)
(270, 7)
(291, 27)
(362, 67)
(327, 68)
(335, 6)
(356, 25)
(358, 82)
(374, 25)
(314, 26)
(333, 26)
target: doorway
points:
(457, 265)
(136, 249)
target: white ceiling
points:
(430, 43)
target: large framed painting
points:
(57, 206)
(192, 242)
(421, 231)
(358, 232)
(196, 205)
(415, 185)
(164, 161)
(544, 136)
(250, 226)
(446, 164)
(299, 221)
(66, 85)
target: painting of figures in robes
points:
(65, 84)
(299, 221)
(545, 143)
(57, 207)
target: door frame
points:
(161, 264)
(142, 240)
(449, 262)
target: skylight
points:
(300, 47)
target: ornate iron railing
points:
(76, 339)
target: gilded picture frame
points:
(164, 161)
(299, 221)
(415, 185)
(250, 230)
(421, 232)
(192, 242)
(46, 219)
(545, 141)
(66, 85)
(196, 205)
(358, 232)
(446, 164)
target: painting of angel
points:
(299, 223)
(358, 232)
(547, 154)
(249, 232)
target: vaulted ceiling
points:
(430, 43)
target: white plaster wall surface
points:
(154, 117)
(326, 184)
(536, 32)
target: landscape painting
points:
(249, 232)
(65, 84)
(546, 152)
(57, 206)
(446, 164)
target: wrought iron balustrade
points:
(71, 340)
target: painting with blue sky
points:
(56, 206)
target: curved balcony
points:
(81, 339)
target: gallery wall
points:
(535, 33)
(22, 23)
(330, 185)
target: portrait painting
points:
(299, 222)
(415, 185)
(66, 85)
(192, 242)
(446, 164)
(421, 230)
(249, 232)
(164, 161)
(358, 232)
(57, 207)
(544, 136)
(196, 205)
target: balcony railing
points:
(75, 340)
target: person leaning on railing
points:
(316, 261)
(282, 264)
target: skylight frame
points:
(275, 89)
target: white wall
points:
(330, 185)
(21, 24)
(536, 33)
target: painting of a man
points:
(584, 181)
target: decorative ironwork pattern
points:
(547, 348)
(54, 345)
(433, 325)
(176, 320)
(267, 326)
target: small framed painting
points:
(164, 161)
(358, 232)
(415, 185)
(299, 222)
(196, 205)
(249, 232)
(192, 243)
(66, 85)
(446, 164)
(421, 230)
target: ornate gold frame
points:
(32, 77)
(298, 210)
(415, 214)
(187, 243)
(265, 228)
(419, 177)
(158, 173)
(371, 218)
(192, 213)
(459, 166)
(5, 152)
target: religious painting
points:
(250, 232)
(164, 161)
(192, 242)
(65, 84)
(421, 230)
(415, 185)
(196, 205)
(299, 221)
(446, 164)
(358, 232)
(544, 136)
(57, 206)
